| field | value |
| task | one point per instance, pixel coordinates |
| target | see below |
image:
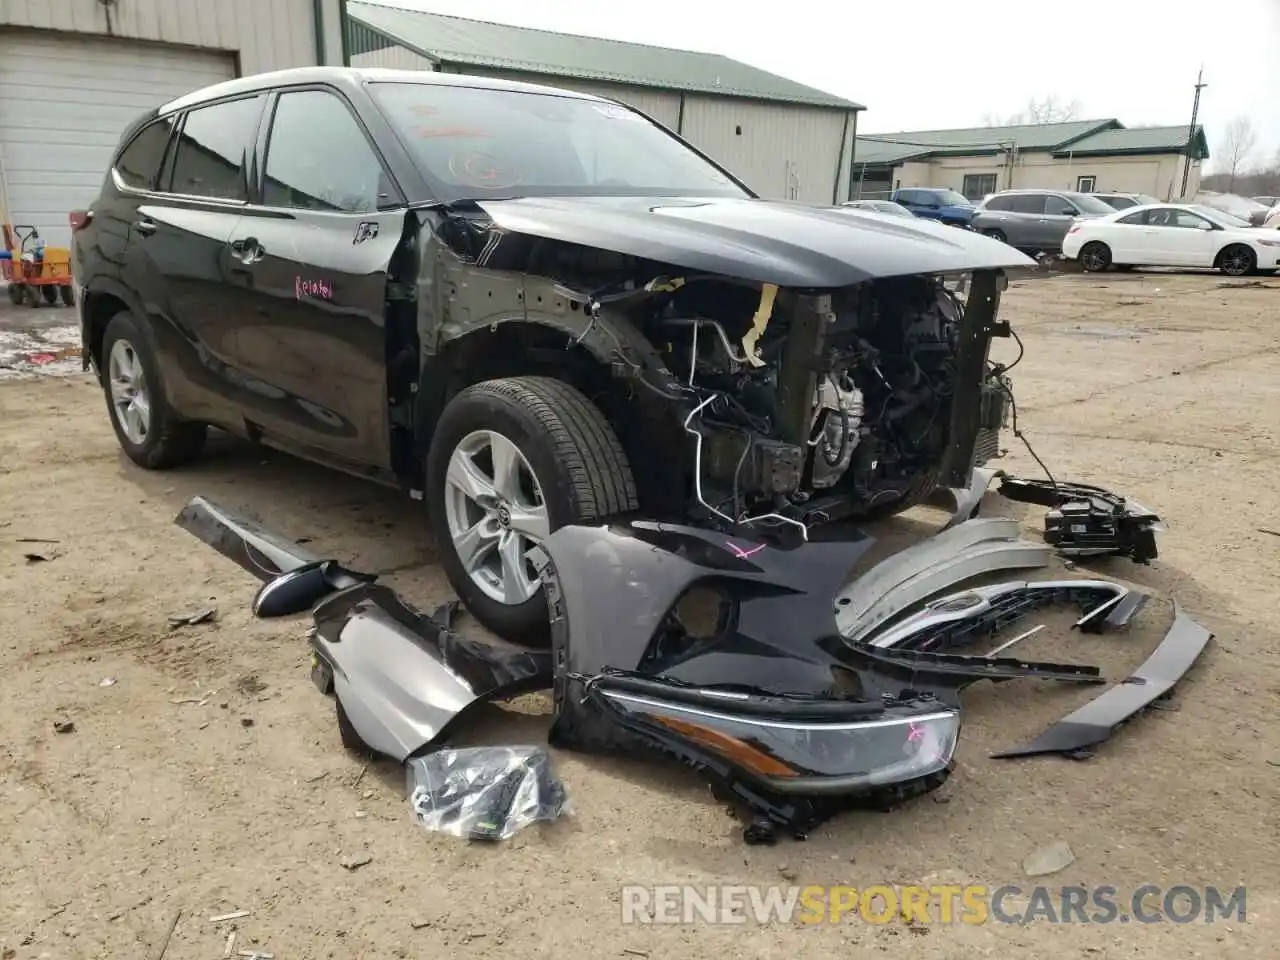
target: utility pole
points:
(1191, 133)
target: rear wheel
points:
(1237, 260)
(1095, 257)
(50, 295)
(15, 294)
(68, 296)
(150, 432)
(511, 461)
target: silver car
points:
(1035, 219)
(878, 206)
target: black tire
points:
(15, 294)
(1237, 260)
(1095, 257)
(49, 295)
(996, 235)
(170, 441)
(570, 448)
(29, 296)
(68, 296)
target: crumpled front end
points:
(779, 714)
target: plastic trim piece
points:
(1097, 720)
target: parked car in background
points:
(1035, 219)
(1172, 235)
(878, 206)
(1267, 201)
(936, 203)
(1123, 201)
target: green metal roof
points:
(475, 43)
(1077, 137)
(1138, 140)
(966, 141)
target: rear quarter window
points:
(139, 163)
(1000, 203)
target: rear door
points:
(310, 259)
(1058, 214)
(1026, 211)
(177, 260)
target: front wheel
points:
(996, 235)
(511, 461)
(1237, 260)
(1095, 257)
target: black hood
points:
(788, 244)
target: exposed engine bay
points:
(802, 405)
(882, 370)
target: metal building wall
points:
(781, 151)
(265, 34)
(395, 57)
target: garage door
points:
(65, 100)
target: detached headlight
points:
(807, 756)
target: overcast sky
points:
(932, 64)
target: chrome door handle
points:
(145, 226)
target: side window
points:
(1122, 203)
(1188, 220)
(1055, 206)
(212, 148)
(1028, 203)
(318, 157)
(140, 162)
(1000, 203)
(907, 196)
(1134, 219)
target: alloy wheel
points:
(495, 513)
(1236, 263)
(130, 399)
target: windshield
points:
(951, 198)
(1087, 204)
(474, 143)
(1219, 217)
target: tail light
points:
(80, 219)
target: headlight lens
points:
(901, 745)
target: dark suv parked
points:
(529, 307)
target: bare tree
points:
(1238, 141)
(1051, 109)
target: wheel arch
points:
(100, 302)
(604, 356)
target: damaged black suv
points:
(529, 307)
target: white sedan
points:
(1172, 235)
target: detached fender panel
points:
(403, 677)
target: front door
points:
(311, 259)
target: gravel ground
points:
(204, 773)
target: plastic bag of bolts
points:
(485, 793)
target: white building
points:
(75, 73)
(783, 139)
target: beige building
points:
(1091, 156)
(783, 139)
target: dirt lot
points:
(208, 777)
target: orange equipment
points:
(35, 273)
